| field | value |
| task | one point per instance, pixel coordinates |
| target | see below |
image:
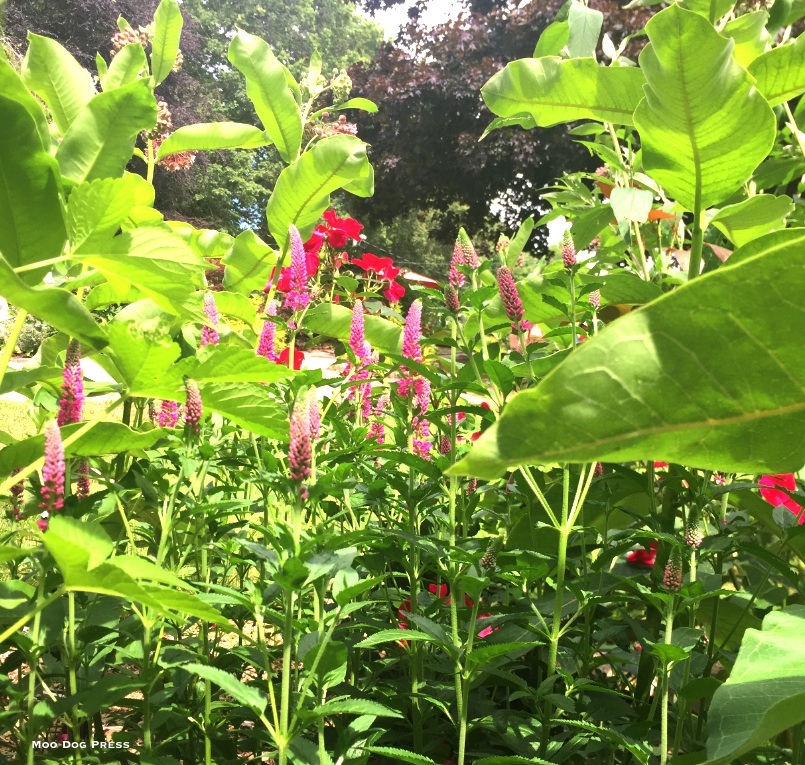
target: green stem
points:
(572, 280)
(33, 669)
(147, 684)
(11, 343)
(285, 690)
(150, 161)
(561, 562)
(38, 608)
(481, 332)
(71, 664)
(641, 251)
(697, 241)
(794, 127)
(669, 630)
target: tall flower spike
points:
(315, 415)
(470, 255)
(568, 250)
(52, 491)
(194, 410)
(298, 296)
(595, 299)
(267, 337)
(412, 334)
(357, 333)
(71, 404)
(300, 453)
(168, 414)
(510, 297)
(82, 479)
(209, 335)
(455, 277)
(451, 300)
(693, 528)
(672, 576)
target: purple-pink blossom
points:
(510, 297)
(267, 336)
(315, 416)
(168, 414)
(52, 491)
(300, 451)
(193, 408)
(209, 334)
(71, 404)
(298, 296)
(455, 278)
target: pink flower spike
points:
(71, 404)
(193, 407)
(209, 335)
(510, 297)
(315, 415)
(82, 479)
(52, 491)
(300, 453)
(265, 347)
(412, 334)
(357, 337)
(298, 296)
(168, 414)
(455, 278)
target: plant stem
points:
(71, 663)
(572, 280)
(150, 161)
(33, 669)
(11, 343)
(40, 606)
(481, 333)
(561, 562)
(669, 631)
(697, 242)
(285, 690)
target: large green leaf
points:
(335, 320)
(780, 73)
(96, 209)
(12, 86)
(750, 36)
(102, 438)
(753, 217)
(31, 220)
(268, 88)
(765, 693)
(57, 307)
(704, 128)
(213, 135)
(57, 78)
(249, 696)
(167, 34)
(711, 375)
(101, 139)
(156, 261)
(126, 67)
(302, 192)
(584, 30)
(248, 264)
(552, 91)
(249, 405)
(230, 364)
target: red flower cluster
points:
(643, 557)
(440, 591)
(775, 497)
(385, 270)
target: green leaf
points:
(553, 39)
(57, 78)
(167, 34)
(101, 139)
(57, 307)
(354, 707)
(765, 693)
(480, 656)
(96, 209)
(126, 67)
(9, 552)
(250, 697)
(704, 128)
(335, 320)
(750, 35)
(302, 192)
(623, 288)
(703, 7)
(708, 375)
(519, 241)
(267, 87)
(753, 217)
(400, 755)
(248, 405)
(102, 438)
(553, 91)
(156, 261)
(512, 759)
(631, 204)
(12, 86)
(75, 545)
(585, 29)
(780, 73)
(248, 263)
(231, 364)
(210, 136)
(779, 241)
(31, 220)
(394, 636)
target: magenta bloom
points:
(470, 255)
(300, 453)
(455, 278)
(510, 297)
(168, 414)
(52, 491)
(209, 335)
(298, 296)
(71, 404)
(267, 336)
(377, 429)
(775, 497)
(568, 250)
(193, 408)
(357, 334)
(412, 334)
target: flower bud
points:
(193, 408)
(595, 299)
(568, 250)
(490, 556)
(510, 297)
(451, 300)
(693, 528)
(672, 576)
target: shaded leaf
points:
(213, 135)
(753, 217)
(780, 72)
(167, 34)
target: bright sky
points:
(437, 12)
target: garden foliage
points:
(542, 520)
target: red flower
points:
(443, 593)
(312, 263)
(775, 497)
(394, 292)
(383, 267)
(643, 557)
(298, 358)
(313, 245)
(340, 229)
